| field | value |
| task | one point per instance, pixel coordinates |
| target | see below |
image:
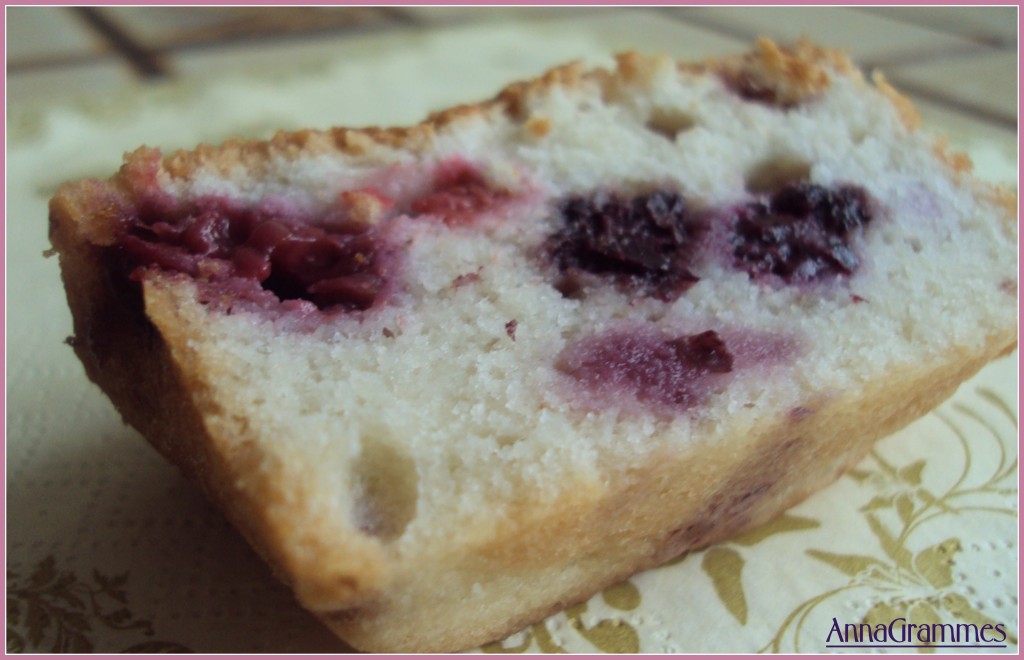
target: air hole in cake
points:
(644, 244)
(802, 232)
(385, 489)
(670, 122)
(507, 440)
(775, 172)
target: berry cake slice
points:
(452, 378)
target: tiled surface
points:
(872, 39)
(181, 27)
(976, 81)
(68, 81)
(47, 34)
(616, 29)
(435, 16)
(996, 26)
(960, 56)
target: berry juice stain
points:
(658, 370)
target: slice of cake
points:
(451, 378)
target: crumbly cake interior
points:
(437, 412)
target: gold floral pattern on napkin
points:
(56, 611)
(910, 580)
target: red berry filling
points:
(644, 244)
(459, 194)
(336, 266)
(342, 260)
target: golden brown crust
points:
(1004, 197)
(959, 162)
(907, 112)
(788, 76)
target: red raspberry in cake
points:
(459, 194)
(224, 246)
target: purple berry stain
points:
(644, 244)
(659, 370)
(802, 232)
